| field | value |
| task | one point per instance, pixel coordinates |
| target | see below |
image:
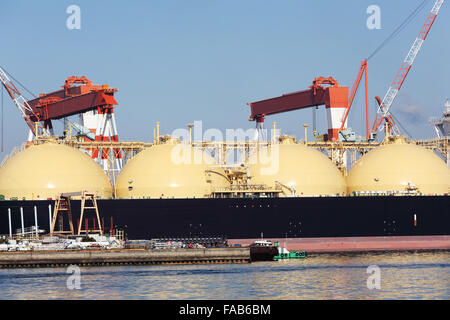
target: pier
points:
(110, 257)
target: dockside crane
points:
(34, 118)
(79, 96)
(323, 91)
(94, 102)
(385, 104)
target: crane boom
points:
(390, 95)
(362, 70)
(20, 102)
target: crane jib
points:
(20, 102)
(383, 108)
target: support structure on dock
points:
(62, 203)
(94, 206)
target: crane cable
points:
(9, 75)
(399, 28)
(2, 148)
(403, 127)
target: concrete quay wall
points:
(24, 259)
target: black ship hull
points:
(247, 218)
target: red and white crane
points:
(386, 103)
(333, 96)
(95, 104)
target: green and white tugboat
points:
(284, 253)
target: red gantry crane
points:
(79, 99)
(71, 100)
(333, 96)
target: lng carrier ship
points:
(337, 186)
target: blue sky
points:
(180, 61)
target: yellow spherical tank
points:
(170, 170)
(399, 167)
(297, 169)
(43, 171)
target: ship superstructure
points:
(442, 125)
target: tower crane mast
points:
(384, 106)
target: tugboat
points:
(284, 253)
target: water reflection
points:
(423, 275)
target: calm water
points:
(424, 275)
